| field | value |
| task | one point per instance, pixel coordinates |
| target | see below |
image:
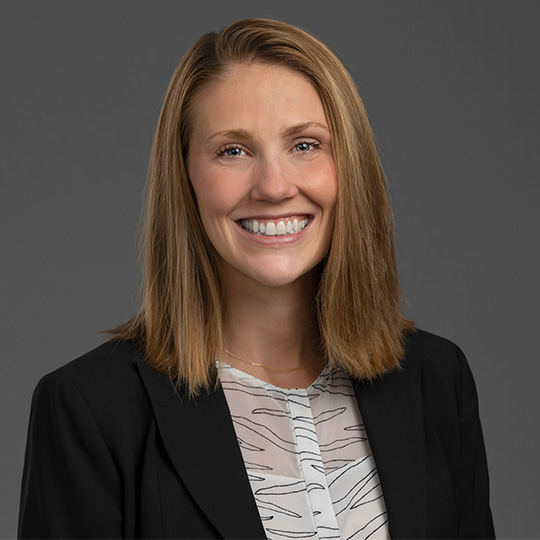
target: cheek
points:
(216, 196)
(325, 187)
(215, 201)
(206, 188)
(330, 192)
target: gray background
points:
(452, 90)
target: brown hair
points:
(359, 298)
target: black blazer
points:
(114, 452)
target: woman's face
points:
(261, 164)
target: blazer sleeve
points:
(71, 487)
(475, 520)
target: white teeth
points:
(271, 228)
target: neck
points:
(275, 327)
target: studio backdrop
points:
(451, 89)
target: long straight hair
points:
(358, 299)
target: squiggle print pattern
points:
(307, 457)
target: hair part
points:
(359, 298)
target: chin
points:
(279, 277)
(267, 271)
(277, 282)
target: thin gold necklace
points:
(256, 364)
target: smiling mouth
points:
(275, 227)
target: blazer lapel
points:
(392, 410)
(200, 439)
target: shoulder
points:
(110, 367)
(433, 368)
(89, 428)
(429, 355)
(423, 344)
(435, 375)
(437, 368)
(103, 384)
(109, 361)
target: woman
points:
(269, 386)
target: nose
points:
(272, 183)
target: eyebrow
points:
(287, 132)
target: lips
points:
(275, 227)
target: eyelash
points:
(222, 152)
(310, 142)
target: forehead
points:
(255, 95)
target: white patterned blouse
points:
(307, 457)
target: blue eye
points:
(306, 146)
(231, 151)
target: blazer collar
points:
(210, 463)
(393, 415)
(200, 439)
